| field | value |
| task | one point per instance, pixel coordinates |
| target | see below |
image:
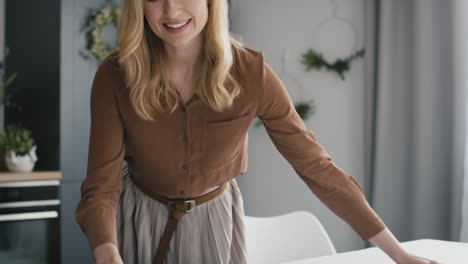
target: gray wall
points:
(76, 79)
(460, 132)
(270, 186)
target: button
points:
(184, 109)
(185, 138)
(181, 192)
(184, 166)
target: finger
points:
(427, 260)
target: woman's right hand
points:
(107, 253)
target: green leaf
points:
(16, 138)
(314, 60)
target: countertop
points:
(6, 176)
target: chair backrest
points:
(287, 237)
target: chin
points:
(179, 42)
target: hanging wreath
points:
(96, 21)
(314, 60)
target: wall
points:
(76, 79)
(270, 186)
(32, 37)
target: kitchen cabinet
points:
(45, 39)
(30, 217)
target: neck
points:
(182, 60)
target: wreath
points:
(314, 60)
(96, 21)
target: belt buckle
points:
(190, 201)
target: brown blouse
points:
(195, 148)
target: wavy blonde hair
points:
(143, 62)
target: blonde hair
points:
(143, 62)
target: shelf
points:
(30, 176)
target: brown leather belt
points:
(178, 207)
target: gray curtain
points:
(414, 156)
(460, 49)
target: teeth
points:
(177, 25)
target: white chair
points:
(287, 237)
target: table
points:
(445, 252)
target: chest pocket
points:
(223, 141)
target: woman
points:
(176, 102)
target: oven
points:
(29, 222)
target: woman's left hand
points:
(412, 259)
(391, 246)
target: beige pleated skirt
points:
(212, 233)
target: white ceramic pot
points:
(21, 163)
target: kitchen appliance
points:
(30, 222)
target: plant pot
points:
(21, 163)
(3, 166)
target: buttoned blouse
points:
(195, 148)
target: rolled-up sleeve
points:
(100, 190)
(338, 190)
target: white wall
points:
(270, 186)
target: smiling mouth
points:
(178, 25)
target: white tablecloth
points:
(446, 252)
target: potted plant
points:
(20, 151)
(6, 92)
